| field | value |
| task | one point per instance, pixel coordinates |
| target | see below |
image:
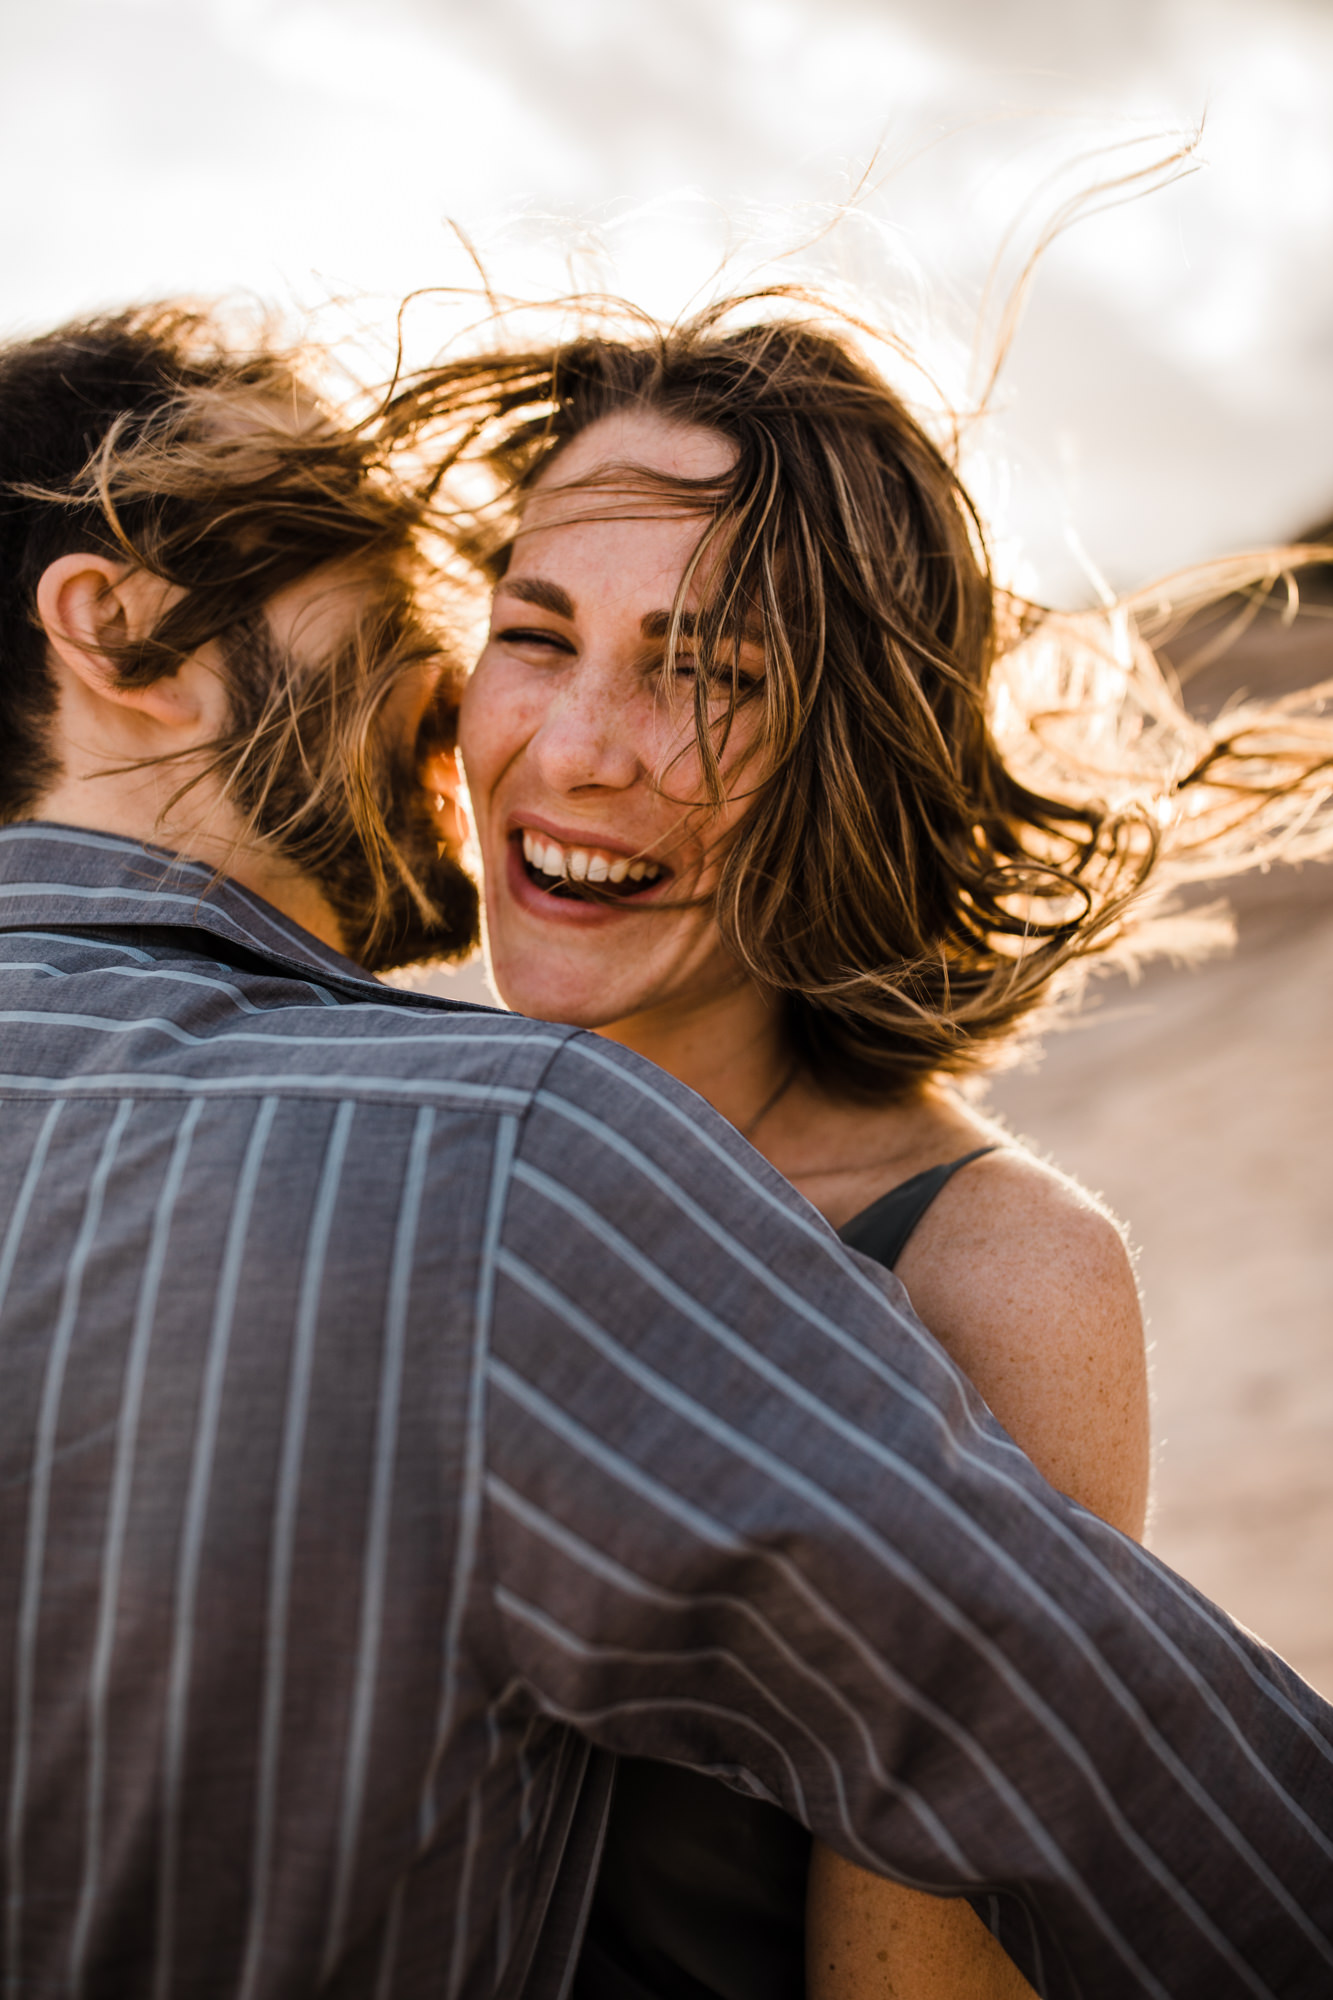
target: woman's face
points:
(581, 765)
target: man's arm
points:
(745, 1514)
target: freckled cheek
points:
(678, 756)
(494, 730)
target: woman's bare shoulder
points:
(1026, 1279)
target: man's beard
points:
(386, 926)
(419, 905)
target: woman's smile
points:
(580, 747)
(579, 877)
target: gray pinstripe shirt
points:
(405, 1407)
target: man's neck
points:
(291, 892)
(213, 837)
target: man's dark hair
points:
(72, 403)
(153, 436)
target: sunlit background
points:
(1169, 397)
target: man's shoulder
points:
(164, 1012)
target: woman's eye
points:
(533, 636)
(719, 675)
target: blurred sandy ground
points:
(1200, 1105)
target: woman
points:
(733, 773)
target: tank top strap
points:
(882, 1230)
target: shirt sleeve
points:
(744, 1514)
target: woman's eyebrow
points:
(553, 597)
(656, 625)
(540, 591)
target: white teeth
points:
(581, 864)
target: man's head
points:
(210, 625)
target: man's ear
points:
(91, 608)
(442, 777)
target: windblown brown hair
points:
(958, 798)
(158, 436)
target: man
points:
(405, 1408)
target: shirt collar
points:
(69, 878)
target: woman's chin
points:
(576, 1003)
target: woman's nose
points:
(586, 737)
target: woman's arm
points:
(736, 1509)
(1028, 1285)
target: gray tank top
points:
(881, 1231)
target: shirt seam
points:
(187, 1086)
(485, 1544)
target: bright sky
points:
(1170, 395)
